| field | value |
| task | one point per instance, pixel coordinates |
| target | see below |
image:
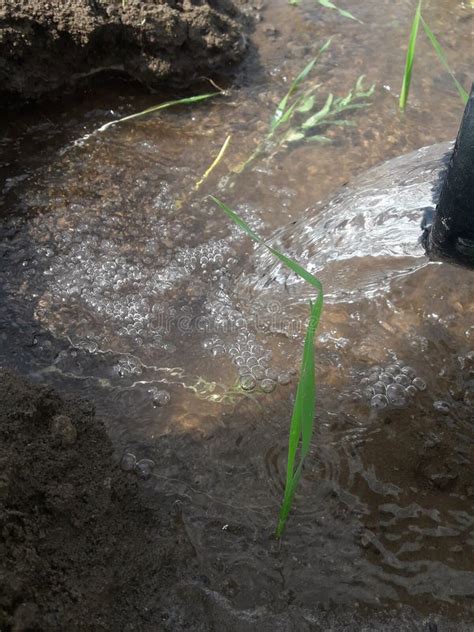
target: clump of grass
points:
(302, 419)
(299, 115)
(328, 114)
(410, 58)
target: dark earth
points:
(81, 546)
(47, 46)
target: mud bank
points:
(48, 46)
(80, 547)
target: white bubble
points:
(128, 462)
(284, 378)
(379, 388)
(271, 373)
(441, 406)
(268, 385)
(386, 378)
(258, 372)
(404, 380)
(161, 398)
(396, 395)
(419, 383)
(379, 402)
(144, 468)
(247, 382)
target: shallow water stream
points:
(188, 339)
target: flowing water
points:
(188, 339)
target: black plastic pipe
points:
(451, 236)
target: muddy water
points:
(187, 339)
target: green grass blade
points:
(302, 420)
(313, 120)
(161, 106)
(439, 51)
(410, 58)
(281, 108)
(330, 5)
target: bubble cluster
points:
(142, 468)
(251, 359)
(213, 258)
(391, 386)
(160, 397)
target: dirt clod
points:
(48, 46)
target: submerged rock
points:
(47, 46)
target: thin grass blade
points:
(439, 51)
(161, 106)
(410, 58)
(330, 5)
(302, 420)
(313, 120)
(214, 164)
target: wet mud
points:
(82, 548)
(48, 47)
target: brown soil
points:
(81, 547)
(48, 46)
